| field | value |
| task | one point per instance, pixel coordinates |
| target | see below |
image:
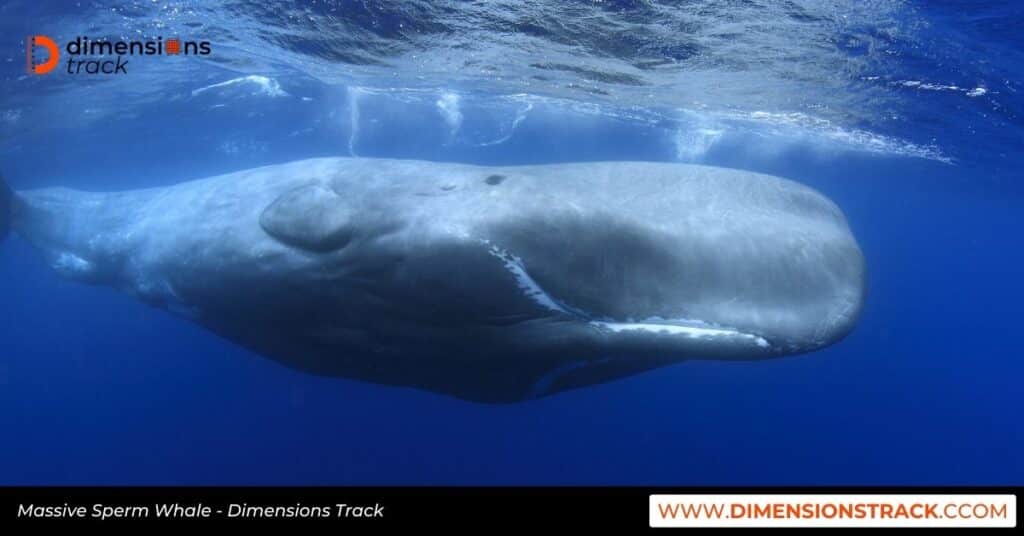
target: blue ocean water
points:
(907, 114)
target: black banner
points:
(366, 508)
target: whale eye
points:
(310, 217)
(494, 180)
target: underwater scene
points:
(589, 242)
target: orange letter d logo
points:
(41, 67)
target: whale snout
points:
(684, 289)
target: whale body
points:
(493, 284)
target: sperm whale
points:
(492, 284)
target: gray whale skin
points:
(492, 284)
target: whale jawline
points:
(685, 327)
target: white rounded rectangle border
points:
(827, 510)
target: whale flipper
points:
(6, 206)
(310, 217)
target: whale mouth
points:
(655, 326)
(694, 329)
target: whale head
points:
(534, 282)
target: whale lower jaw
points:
(654, 326)
(693, 329)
